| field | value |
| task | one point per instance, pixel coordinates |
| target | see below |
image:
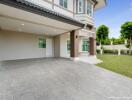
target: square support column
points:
(92, 46)
(74, 44)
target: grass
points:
(118, 64)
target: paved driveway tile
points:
(60, 79)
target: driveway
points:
(60, 79)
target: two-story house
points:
(47, 28)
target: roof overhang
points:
(100, 4)
(19, 11)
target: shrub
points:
(108, 51)
(125, 52)
(127, 46)
(98, 51)
(106, 42)
(118, 41)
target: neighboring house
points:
(47, 28)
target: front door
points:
(49, 47)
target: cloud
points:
(114, 32)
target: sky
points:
(114, 15)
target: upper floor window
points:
(89, 8)
(64, 3)
(80, 6)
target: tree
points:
(126, 32)
(102, 33)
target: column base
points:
(74, 58)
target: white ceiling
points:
(21, 26)
(23, 21)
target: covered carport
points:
(23, 23)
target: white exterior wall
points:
(16, 45)
(69, 11)
(69, 6)
(63, 45)
(63, 10)
(80, 44)
(49, 47)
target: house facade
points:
(47, 28)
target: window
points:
(80, 6)
(63, 3)
(68, 45)
(89, 8)
(42, 43)
(85, 45)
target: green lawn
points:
(118, 64)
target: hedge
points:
(114, 51)
(108, 51)
(98, 51)
(125, 52)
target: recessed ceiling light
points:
(22, 24)
(55, 30)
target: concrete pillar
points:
(91, 47)
(101, 51)
(119, 52)
(74, 44)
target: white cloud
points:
(114, 32)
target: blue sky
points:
(114, 15)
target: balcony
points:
(87, 33)
(85, 18)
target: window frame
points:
(78, 6)
(68, 46)
(89, 8)
(63, 2)
(85, 45)
(42, 42)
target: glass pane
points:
(42, 43)
(65, 3)
(85, 46)
(68, 45)
(80, 6)
(89, 8)
(61, 2)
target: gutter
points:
(30, 7)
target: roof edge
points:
(30, 7)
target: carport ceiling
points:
(21, 26)
(19, 20)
